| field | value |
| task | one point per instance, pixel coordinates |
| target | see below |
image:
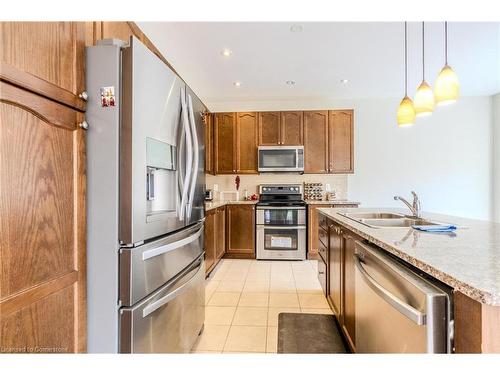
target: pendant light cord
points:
(423, 51)
(406, 60)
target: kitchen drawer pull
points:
(151, 308)
(410, 312)
(172, 246)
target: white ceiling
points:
(368, 54)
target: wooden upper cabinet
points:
(209, 143)
(341, 139)
(225, 142)
(47, 58)
(42, 223)
(292, 128)
(246, 142)
(269, 128)
(316, 141)
(240, 234)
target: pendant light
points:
(424, 97)
(446, 89)
(406, 112)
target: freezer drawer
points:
(145, 268)
(397, 311)
(170, 320)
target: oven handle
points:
(281, 227)
(280, 208)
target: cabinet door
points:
(316, 142)
(335, 270)
(312, 228)
(240, 232)
(349, 301)
(269, 128)
(225, 140)
(210, 239)
(220, 221)
(47, 58)
(341, 139)
(246, 143)
(42, 223)
(292, 128)
(209, 143)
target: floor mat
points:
(309, 333)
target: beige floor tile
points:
(210, 289)
(246, 339)
(224, 299)
(317, 311)
(206, 352)
(283, 300)
(219, 315)
(258, 276)
(313, 301)
(235, 275)
(212, 338)
(272, 315)
(256, 287)
(250, 316)
(249, 299)
(272, 340)
(282, 286)
(231, 286)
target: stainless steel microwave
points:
(281, 159)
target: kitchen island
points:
(467, 260)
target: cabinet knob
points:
(84, 95)
(84, 125)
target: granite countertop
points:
(335, 201)
(467, 260)
(210, 205)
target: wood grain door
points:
(225, 143)
(335, 270)
(210, 239)
(269, 128)
(349, 298)
(42, 224)
(316, 142)
(209, 144)
(341, 141)
(220, 225)
(47, 58)
(292, 128)
(246, 142)
(240, 232)
(312, 228)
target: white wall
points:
(446, 158)
(496, 157)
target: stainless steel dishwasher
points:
(397, 310)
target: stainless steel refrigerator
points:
(145, 203)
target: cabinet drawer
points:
(323, 251)
(323, 236)
(323, 222)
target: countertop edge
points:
(470, 291)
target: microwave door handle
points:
(410, 312)
(151, 308)
(196, 157)
(189, 155)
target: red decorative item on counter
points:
(237, 182)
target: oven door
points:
(281, 216)
(281, 159)
(281, 242)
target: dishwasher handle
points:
(410, 312)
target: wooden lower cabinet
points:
(335, 250)
(220, 230)
(215, 237)
(240, 231)
(348, 297)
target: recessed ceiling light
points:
(226, 52)
(291, 83)
(296, 28)
(344, 81)
(237, 83)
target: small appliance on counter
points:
(281, 222)
(209, 195)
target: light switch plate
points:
(328, 187)
(216, 187)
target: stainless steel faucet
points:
(415, 207)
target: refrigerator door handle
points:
(410, 312)
(189, 155)
(196, 157)
(172, 246)
(151, 308)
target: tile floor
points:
(244, 298)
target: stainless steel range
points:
(281, 222)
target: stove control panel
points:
(280, 189)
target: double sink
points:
(386, 219)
